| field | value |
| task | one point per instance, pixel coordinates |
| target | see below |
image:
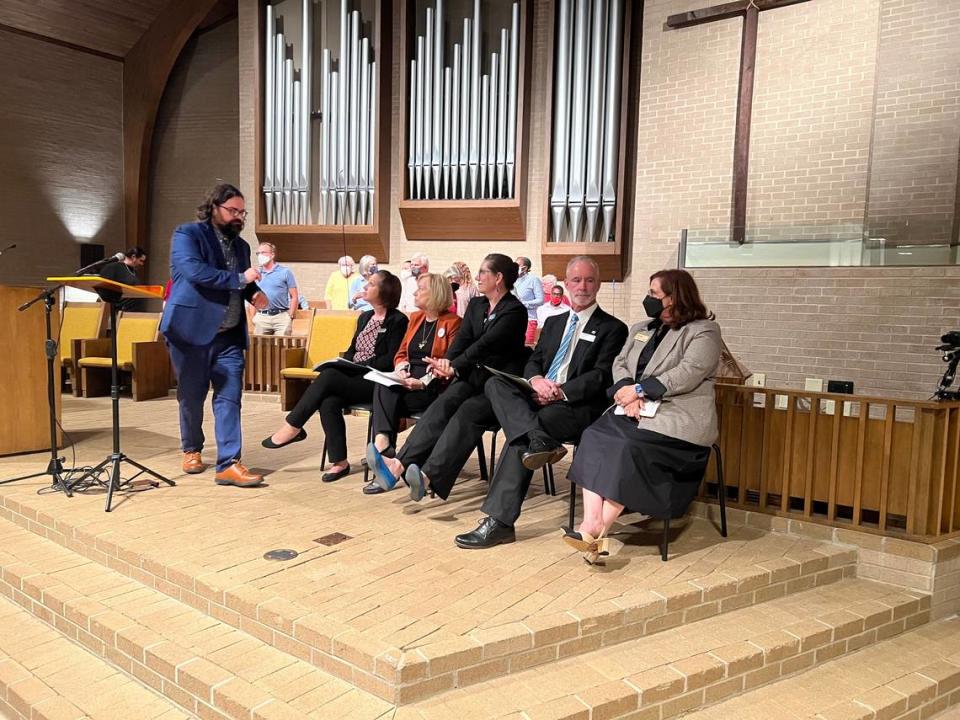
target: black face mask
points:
(454, 286)
(652, 306)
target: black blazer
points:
(388, 339)
(497, 341)
(590, 370)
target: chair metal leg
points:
(366, 469)
(573, 505)
(482, 460)
(666, 539)
(493, 454)
(548, 484)
(323, 455)
(721, 492)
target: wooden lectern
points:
(24, 425)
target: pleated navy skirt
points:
(645, 471)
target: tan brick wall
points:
(61, 158)
(815, 90)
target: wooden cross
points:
(750, 11)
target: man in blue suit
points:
(205, 326)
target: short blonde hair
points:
(440, 295)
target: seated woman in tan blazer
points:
(649, 451)
(431, 330)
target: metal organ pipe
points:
(347, 136)
(586, 120)
(462, 135)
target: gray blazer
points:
(685, 362)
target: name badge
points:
(381, 331)
(642, 337)
(441, 332)
(587, 337)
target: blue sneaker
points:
(414, 479)
(381, 473)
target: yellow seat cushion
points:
(330, 335)
(133, 328)
(79, 323)
(299, 373)
(102, 362)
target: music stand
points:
(112, 292)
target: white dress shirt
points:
(583, 317)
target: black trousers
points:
(520, 416)
(445, 436)
(330, 393)
(391, 404)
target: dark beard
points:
(231, 229)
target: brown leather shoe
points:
(192, 463)
(238, 475)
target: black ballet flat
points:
(333, 476)
(268, 442)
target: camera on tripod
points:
(951, 354)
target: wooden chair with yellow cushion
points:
(140, 352)
(330, 334)
(302, 322)
(81, 321)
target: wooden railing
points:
(264, 357)
(867, 463)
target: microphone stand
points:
(55, 466)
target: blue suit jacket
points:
(201, 285)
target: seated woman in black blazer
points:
(376, 341)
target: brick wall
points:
(821, 66)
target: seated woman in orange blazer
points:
(431, 331)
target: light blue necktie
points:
(558, 359)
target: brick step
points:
(44, 676)
(408, 635)
(205, 666)
(876, 683)
(952, 713)
(675, 671)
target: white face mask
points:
(345, 270)
(263, 259)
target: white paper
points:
(390, 379)
(648, 410)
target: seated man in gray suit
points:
(569, 370)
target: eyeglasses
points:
(234, 212)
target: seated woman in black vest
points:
(650, 453)
(375, 342)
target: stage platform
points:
(380, 615)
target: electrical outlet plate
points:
(813, 385)
(757, 380)
(781, 402)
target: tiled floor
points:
(399, 578)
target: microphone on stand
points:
(100, 263)
(8, 247)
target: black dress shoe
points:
(268, 442)
(371, 488)
(542, 451)
(489, 532)
(332, 476)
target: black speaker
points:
(840, 386)
(90, 253)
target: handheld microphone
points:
(8, 247)
(100, 263)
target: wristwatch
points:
(639, 389)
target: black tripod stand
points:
(55, 466)
(113, 460)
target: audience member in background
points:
(530, 291)
(452, 275)
(467, 290)
(553, 306)
(404, 271)
(651, 458)
(375, 343)
(125, 272)
(337, 292)
(431, 331)
(446, 434)
(549, 282)
(569, 370)
(358, 288)
(280, 287)
(203, 323)
(419, 264)
(304, 304)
